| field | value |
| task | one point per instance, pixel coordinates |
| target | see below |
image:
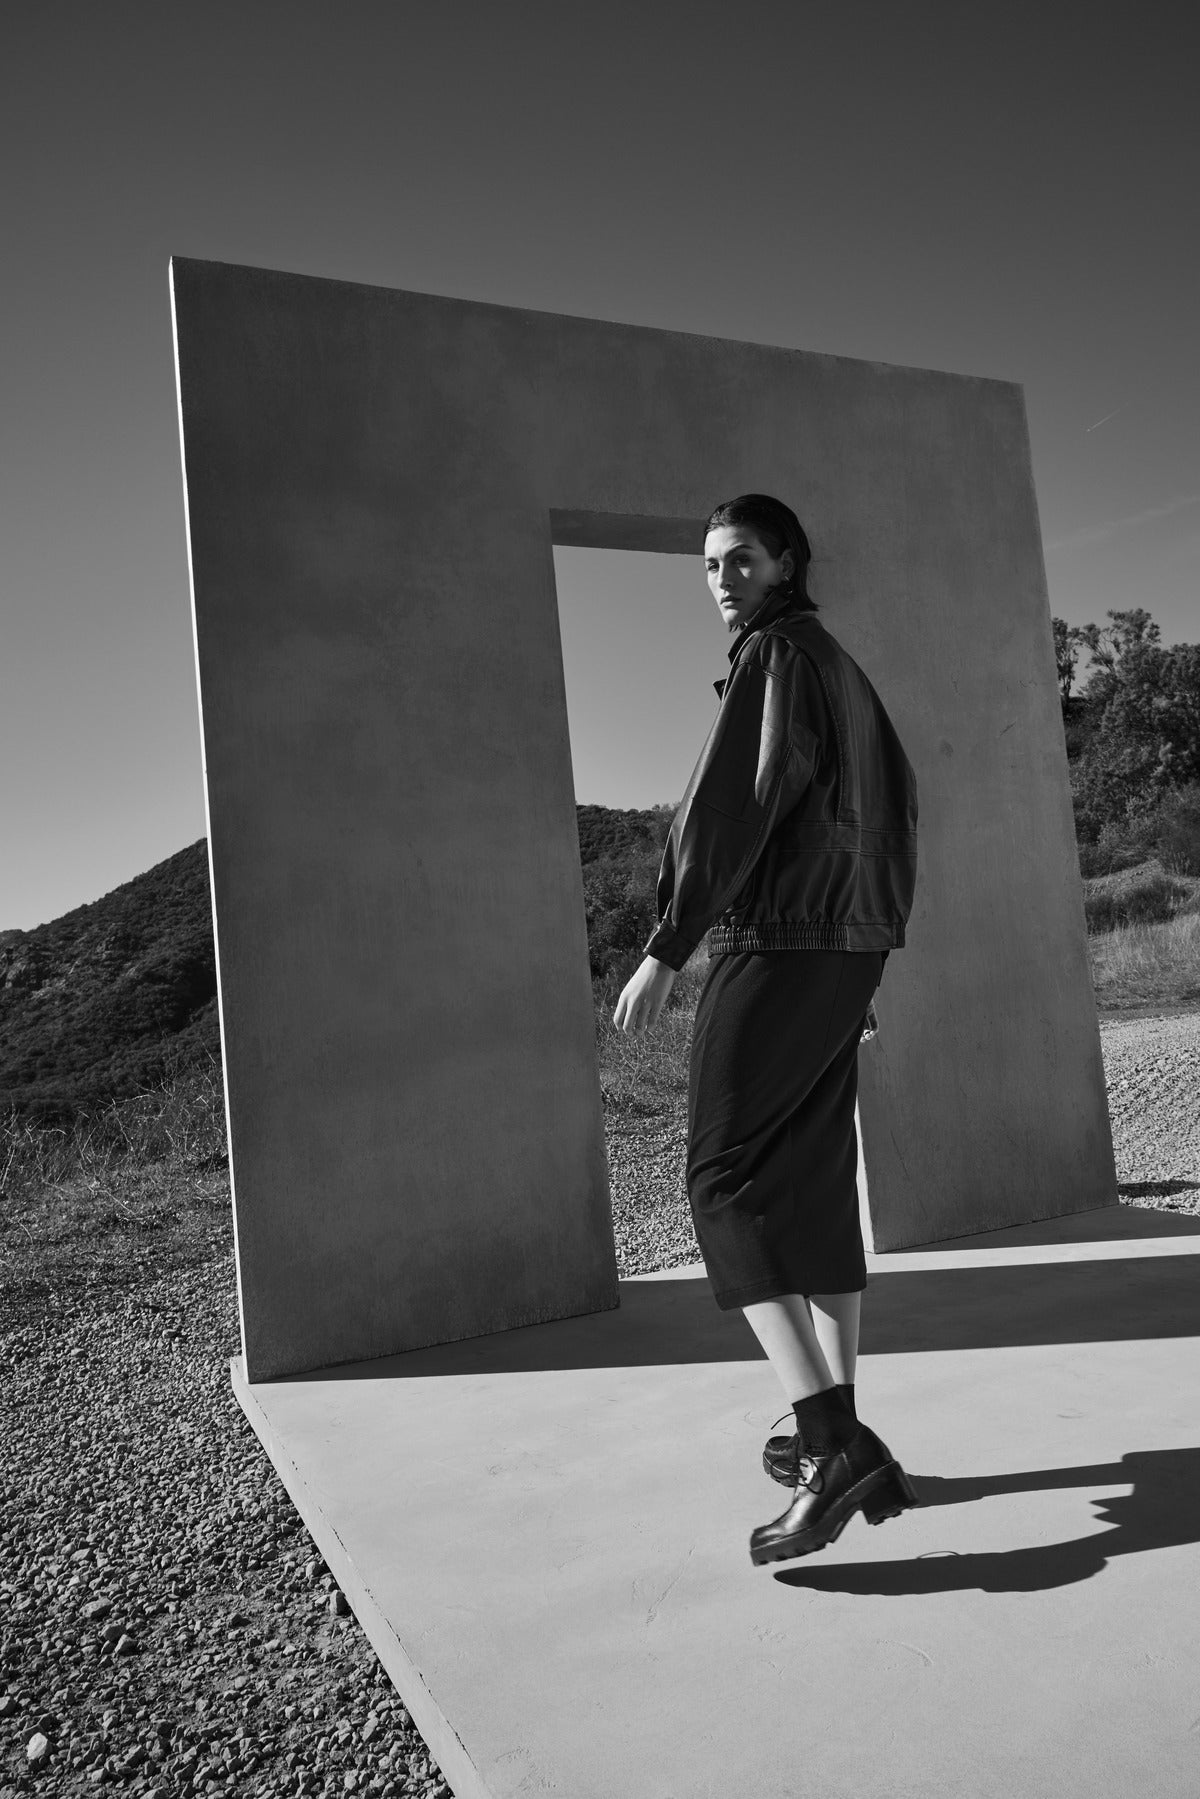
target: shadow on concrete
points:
(1046, 1302)
(675, 1320)
(1102, 1224)
(1160, 1190)
(1162, 1511)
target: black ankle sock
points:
(846, 1389)
(825, 1422)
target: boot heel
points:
(894, 1494)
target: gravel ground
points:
(168, 1626)
(1152, 1072)
(651, 1218)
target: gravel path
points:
(1152, 1072)
(167, 1625)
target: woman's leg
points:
(835, 1319)
(785, 1328)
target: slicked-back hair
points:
(777, 529)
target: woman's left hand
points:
(644, 997)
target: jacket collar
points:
(775, 607)
(771, 609)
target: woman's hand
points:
(644, 997)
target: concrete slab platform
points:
(544, 1534)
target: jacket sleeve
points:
(756, 763)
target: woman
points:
(794, 852)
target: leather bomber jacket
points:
(798, 828)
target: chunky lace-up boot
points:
(861, 1477)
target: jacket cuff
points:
(666, 945)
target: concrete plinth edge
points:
(437, 1730)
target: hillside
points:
(100, 1003)
(606, 831)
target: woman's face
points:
(741, 572)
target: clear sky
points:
(1007, 191)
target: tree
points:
(1110, 645)
(619, 893)
(1068, 640)
(1146, 741)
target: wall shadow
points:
(675, 1320)
(1046, 1302)
(1099, 1224)
(1161, 1512)
(1163, 1190)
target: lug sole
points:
(879, 1496)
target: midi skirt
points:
(772, 1157)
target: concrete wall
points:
(374, 482)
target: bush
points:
(622, 911)
(1118, 845)
(1143, 895)
(1167, 832)
(1178, 839)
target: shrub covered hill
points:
(114, 996)
(620, 853)
(103, 1002)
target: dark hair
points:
(778, 528)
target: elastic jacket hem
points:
(724, 940)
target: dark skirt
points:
(772, 1155)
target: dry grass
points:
(138, 1182)
(1147, 964)
(181, 1121)
(647, 1075)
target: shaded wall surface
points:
(375, 480)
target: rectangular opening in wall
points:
(642, 644)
